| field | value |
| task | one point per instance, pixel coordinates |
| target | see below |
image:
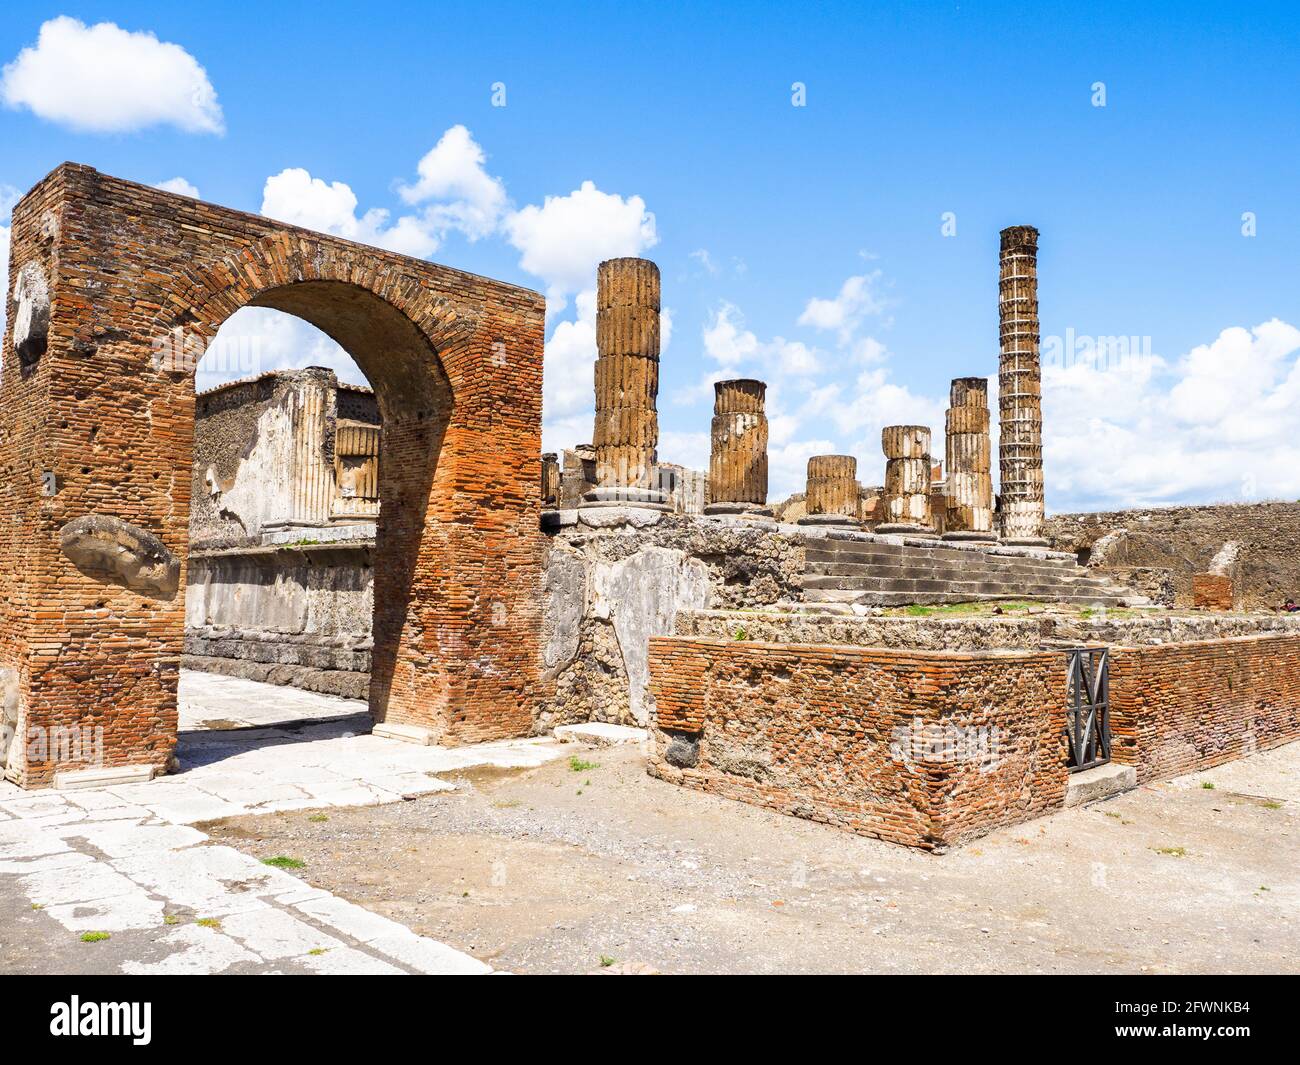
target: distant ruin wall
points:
(926, 749)
(1180, 708)
(607, 591)
(288, 615)
(1184, 541)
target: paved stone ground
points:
(551, 870)
(125, 860)
(511, 857)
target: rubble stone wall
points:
(1183, 541)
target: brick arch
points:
(455, 360)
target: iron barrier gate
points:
(1087, 714)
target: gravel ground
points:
(561, 870)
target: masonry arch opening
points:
(285, 503)
(97, 479)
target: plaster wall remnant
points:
(276, 451)
(1020, 409)
(738, 455)
(833, 493)
(626, 433)
(139, 281)
(968, 487)
(907, 507)
(31, 315)
(11, 730)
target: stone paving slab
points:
(127, 860)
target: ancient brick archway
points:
(115, 291)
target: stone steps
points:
(880, 572)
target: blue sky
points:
(804, 245)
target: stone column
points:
(907, 480)
(1020, 446)
(969, 462)
(832, 497)
(627, 384)
(550, 479)
(738, 458)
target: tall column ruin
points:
(906, 502)
(1020, 445)
(627, 384)
(968, 461)
(738, 456)
(832, 495)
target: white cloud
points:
(453, 171)
(845, 311)
(295, 197)
(702, 256)
(179, 186)
(726, 341)
(104, 79)
(256, 340)
(564, 240)
(1216, 425)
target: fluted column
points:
(550, 479)
(738, 457)
(1020, 443)
(627, 383)
(969, 462)
(832, 494)
(907, 480)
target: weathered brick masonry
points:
(926, 749)
(96, 419)
(1183, 707)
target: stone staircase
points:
(844, 567)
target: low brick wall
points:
(1180, 708)
(926, 749)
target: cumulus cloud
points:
(295, 197)
(857, 298)
(1215, 425)
(104, 79)
(453, 172)
(256, 340)
(564, 239)
(179, 186)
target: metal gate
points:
(1087, 715)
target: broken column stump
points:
(969, 496)
(907, 480)
(738, 456)
(832, 493)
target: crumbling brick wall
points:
(1185, 540)
(1182, 707)
(926, 749)
(123, 288)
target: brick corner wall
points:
(926, 749)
